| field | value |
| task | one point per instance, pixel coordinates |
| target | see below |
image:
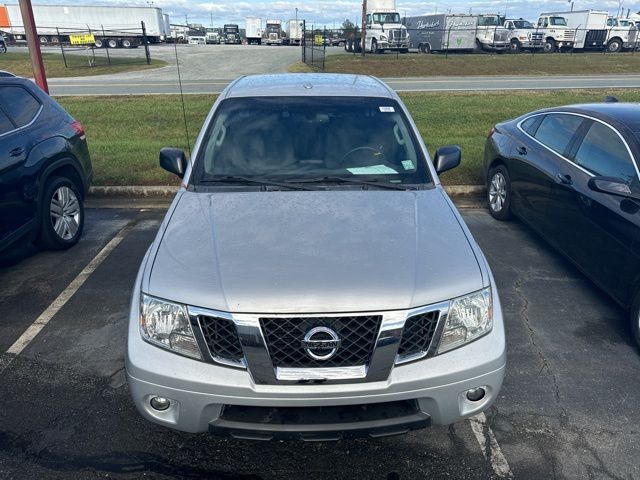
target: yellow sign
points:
(83, 39)
(319, 40)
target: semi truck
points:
(491, 33)
(582, 29)
(385, 30)
(274, 32)
(253, 27)
(231, 34)
(212, 36)
(442, 32)
(112, 27)
(293, 30)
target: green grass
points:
(125, 134)
(20, 64)
(418, 65)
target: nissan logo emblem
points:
(321, 343)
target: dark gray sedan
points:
(571, 173)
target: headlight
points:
(469, 318)
(167, 325)
(383, 37)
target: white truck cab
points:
(622, 34)
(557, 35)
(385, 30)
(491, 33)
(523, 35)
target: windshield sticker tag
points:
(387, 109)
(408, 164)
(372, 170)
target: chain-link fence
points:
(314, 47)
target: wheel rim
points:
(497, 192)
(65, 213)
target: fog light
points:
(475, 394)
(161, 403)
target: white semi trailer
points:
(293, 30)
(112, 27)
(253, 28)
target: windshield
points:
(304, 138)
(558, 21)
(522, 24)
(490, 21)
(231, 29)
(386, 18)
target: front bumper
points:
(202, 394)
(385, 45)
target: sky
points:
(333, 12)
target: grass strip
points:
(125, 133)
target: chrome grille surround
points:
(258, 362)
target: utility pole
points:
(363, 33)
(211, 13)
(34, 45)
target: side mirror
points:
(612, 186)
(173, 160)
(447, 158)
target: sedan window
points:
(21, 106)
(556, 131)
(604, 153)
(5, 123)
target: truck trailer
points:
(253, 28)
(442, 32)
(589, 26)
(293, 30)
(112, 27)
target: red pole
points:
(33, 42)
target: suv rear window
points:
(310, 137)
(21, 106)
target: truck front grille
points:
(569, 35)
(284, 338)
(222, 339)
(417, 334)
(397, 35)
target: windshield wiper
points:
(264, 182)
(353, 181)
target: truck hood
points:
(313, 252)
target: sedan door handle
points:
(16, 152)
(522, 150)
(564, 179)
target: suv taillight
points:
(78, 128)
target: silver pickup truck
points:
(311, 279)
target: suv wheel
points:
(62, 217)
(499, 193)
(635, 319)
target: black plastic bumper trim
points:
(383, 424)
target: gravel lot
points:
(568, 408)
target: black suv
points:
(45, 168)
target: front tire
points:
(549, 46)
(374, 46)
(614, 46)
(61, 215)
(499, 193)
(515, 46)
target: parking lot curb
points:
(454, 191)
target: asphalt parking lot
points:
(568, 408)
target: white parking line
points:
(36, 327)
(489, 445)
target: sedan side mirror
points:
(447, 158)
(173, 160)
(612, 186)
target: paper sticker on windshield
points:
(372, 170)
(408, 164)
(387, 109)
